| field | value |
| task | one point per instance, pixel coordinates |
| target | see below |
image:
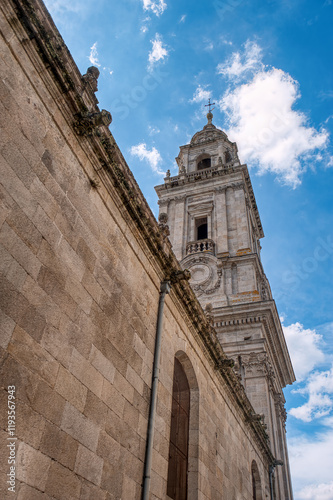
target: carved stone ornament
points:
(88, 123)
(280, 409)
(206, 274)
(164, 202)
(180, 198)
(263, 288)
(91, 77)
(209, 134)
(165, 231)
(164, 228)
(257, 365)
(237, 185)
(181, 166)
(220, 189)
(209, 313)
(163, 218)
(263, 291)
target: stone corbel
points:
(255, 417)
(86, 124)
(224, 363)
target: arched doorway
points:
(204, 161)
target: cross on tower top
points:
(210, 104)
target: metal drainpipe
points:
(164, 289)
(271, 472)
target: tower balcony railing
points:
(205, 245)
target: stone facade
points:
(215, 230)
(82, 259)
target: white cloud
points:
(182, 19)
(153, 157)
(201, 94)
(319, 390)
(208, 45)
(225, 42)
(239, 64)
(304, 348)
(62, 6)
(270, 133)
(144, 27)
(153, 130)
(158, 52)
(93, 56)
(156, 7)
(317, 492)
(311, 460)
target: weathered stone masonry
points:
(82, 258)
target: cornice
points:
(262, 313)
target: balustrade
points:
(206, 245)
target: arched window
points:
(256, 483)
(179, 435)
(203, 161)
(227, 156)
(201, 228)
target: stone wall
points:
(79, 298)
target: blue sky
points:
(268, 67)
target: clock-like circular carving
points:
(200, 273)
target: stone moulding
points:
(265, 313)
(75, 99)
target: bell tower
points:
(215, 230)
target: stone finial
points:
(91, 77)
(210, 114)
(209, 117)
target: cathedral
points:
(140, 359)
